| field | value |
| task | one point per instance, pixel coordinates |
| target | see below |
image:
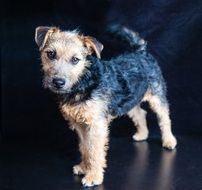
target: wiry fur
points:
(96, 91)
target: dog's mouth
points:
(58, 91)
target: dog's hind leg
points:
(138, 116)
(160, 106)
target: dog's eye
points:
(51, 54)
(75, 60)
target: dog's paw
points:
(140, 136)
(169, 142)
(78, 170)
(92, 179)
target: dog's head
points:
(64, 56)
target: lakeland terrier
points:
(92, 91)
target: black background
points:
(30, 116)
(172, 29)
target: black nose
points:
(58, 82)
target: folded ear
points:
(42, 34)
(92, 45)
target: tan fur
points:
(162, 111)
(85, 113)
(91, 46)
(67, 44)
(138, 116)
(50, 31)
(89, 121)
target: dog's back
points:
(132, 73)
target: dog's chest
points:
(83, 113)
(77, 113)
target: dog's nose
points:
(58, 82)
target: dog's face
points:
(63, 56)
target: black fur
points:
(123, 79)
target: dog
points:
(92, 92)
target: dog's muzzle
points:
(58, 83)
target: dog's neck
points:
(88, 82)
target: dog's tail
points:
(129, 36)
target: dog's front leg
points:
(93, 148)
(79, 169)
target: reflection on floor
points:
(131, 166)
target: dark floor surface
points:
(131, 166)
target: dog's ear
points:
(42, 33)
(92, 45)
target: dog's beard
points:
(47, 84)
(58, 91)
